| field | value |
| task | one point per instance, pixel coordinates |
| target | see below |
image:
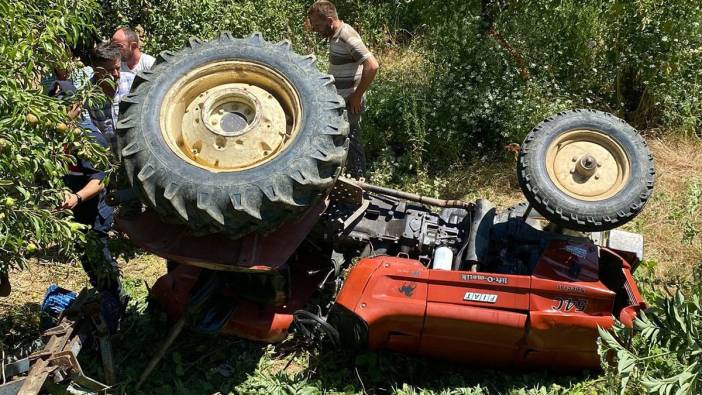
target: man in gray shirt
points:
(353, 67)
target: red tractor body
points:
(546, 313)
(549, 318)
(234, 151)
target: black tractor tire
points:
(577, 198)
(253, 199)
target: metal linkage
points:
(58, 361)
(412, 196)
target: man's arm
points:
(89, 191)
(370, 69)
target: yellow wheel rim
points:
(230, 116)
(587, 165)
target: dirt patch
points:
(29, 285)
(672, 220)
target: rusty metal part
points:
(230, 116)
(347, 191)
(104, 344)
(172, 335)
(57, 361)
(587, 165)
(412, 197)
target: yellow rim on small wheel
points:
(230, 116)
(587, 165)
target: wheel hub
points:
(587, 165)
(230, 116)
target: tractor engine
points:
(390, 226)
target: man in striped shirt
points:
(353, 67)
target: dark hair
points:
(105, 52)
(324, 8)
(130, 34)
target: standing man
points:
(353, 67)
(88, 192)
(133, 60)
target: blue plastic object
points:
(56, 300)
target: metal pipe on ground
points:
(172, 335)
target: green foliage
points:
(662, 354)
(37, 139)
(168, 24)
(449, 90)
(470, 91)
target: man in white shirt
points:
(133, 60)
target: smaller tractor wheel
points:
(586, 170)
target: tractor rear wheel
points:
(232, 135)
(586, 170)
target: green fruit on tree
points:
(8, 201)
(31, 247)
(61, 127)
(32, 119)
(2, 216)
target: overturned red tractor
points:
(234, 150)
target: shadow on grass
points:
(20, 327)
(385, 372)
(206, 364)
(194, 364)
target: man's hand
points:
(370, 68)
(70, 201)
(74, 110)
(354, 102)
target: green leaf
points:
(25, 193)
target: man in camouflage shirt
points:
(353, 67)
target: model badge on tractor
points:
(234, 150)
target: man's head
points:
(128, 42)
(106, 65)
(322, 18)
